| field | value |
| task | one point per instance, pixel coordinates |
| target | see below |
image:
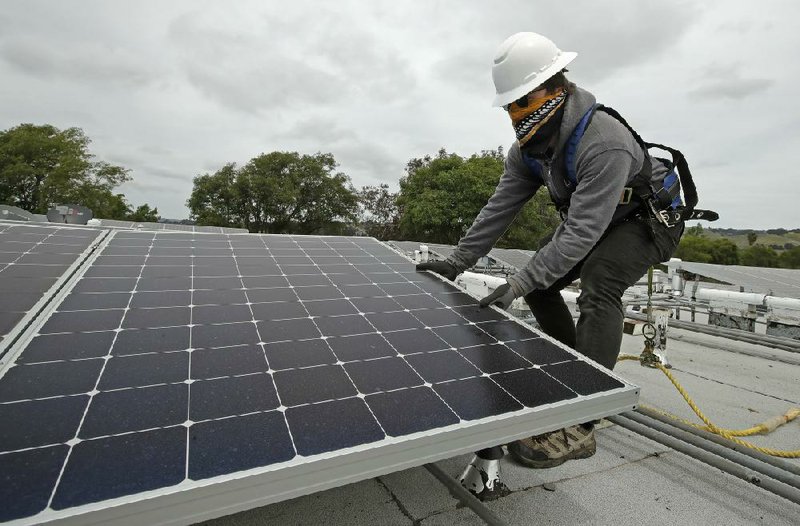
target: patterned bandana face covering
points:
(528, 119)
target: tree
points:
(378, 214)
(279, 192)
(704, 250)
(759, 256)
(694, 231)
(751, 238)
(143, 214)
(441, 196)
(41, 166)
(790, 258)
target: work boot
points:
(553, 449)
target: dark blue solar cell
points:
(75, 346)
(476, 314)
(314, 384)
(460, 336)
(279, 310)
(276, 331)
(26, 480)
(507, 330)
(360, 347)
(581, 377)
(343, 325)
(271, 295)
(112, 467)
(361, 291)
(115, 412)
(230, 361)
(415, 340)
(231, 396)
(218, 297)
(105, 285)
(113, 271)
(494, 358)
(221, 314)
(113, 300)
(418, 301)
(410, 410)
(383, 374)
(309, 280)
(329, 426)
(438, 317)
(400, 289)
(456, 299)
(40, 422)
(219, 447)
(173, 283)
(266, 282)
(476, 398)
(298, 353)
(394, 321)
(533, 388)
(376, 304)
(218, 283)
(540, 351)
(145, 369)
(158, 317)
(82, 321)
(137, 341)
(441, 366)
(225, 335)
(43, 380)
(329, 307)
(170, 298)
(318, 293)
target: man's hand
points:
(443, 268)
(502, 297)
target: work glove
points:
(443, 268)
(501, 297)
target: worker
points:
(611, 230)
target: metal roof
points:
(514, 257)
(775, 281)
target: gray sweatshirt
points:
(607, 159)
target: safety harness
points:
(662, 204)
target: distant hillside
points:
(777, 238)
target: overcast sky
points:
(173, 89)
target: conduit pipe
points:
(773, 486)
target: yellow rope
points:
(730, 434)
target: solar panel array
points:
(32, 259)
(776, 281)
(178, 358)
(514, 257)
(177, 227)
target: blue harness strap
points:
(571, 149)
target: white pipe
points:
(782, 303)
(749, 298)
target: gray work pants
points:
(616, 262)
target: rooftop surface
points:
(631, 480)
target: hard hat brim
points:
(507, 97)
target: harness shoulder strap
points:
(571, 149)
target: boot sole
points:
(553, 462)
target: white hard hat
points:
(523, 62)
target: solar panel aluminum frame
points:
(9, 348)
(193, 501)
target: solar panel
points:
(514, 257)
(32, 259)
(185, 376)
(178, 227)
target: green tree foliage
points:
(378, 212)
(790, 258)
(143, 214)
(751, 238)
(759, 256)
(41, 166)
(279, 192)
(704, 250)
(441, 196)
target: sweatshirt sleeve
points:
(515, 188)
(601, 178)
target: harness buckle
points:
(627, 195)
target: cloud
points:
(726, 82)
(82, 61)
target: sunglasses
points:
(523, 101)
